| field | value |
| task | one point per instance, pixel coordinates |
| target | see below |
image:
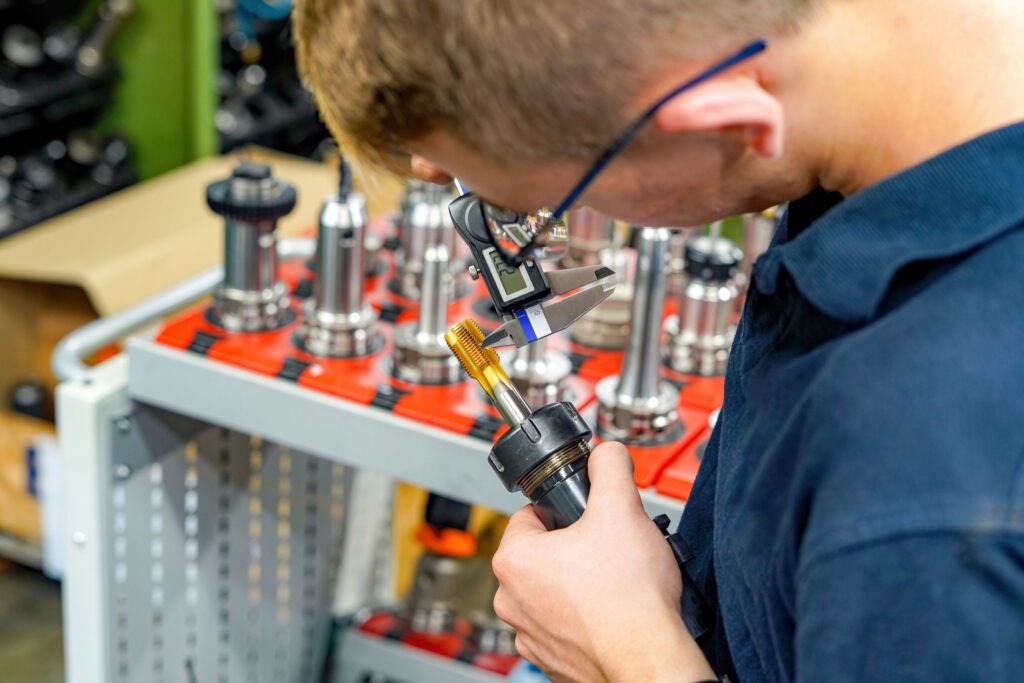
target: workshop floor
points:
(31, 645)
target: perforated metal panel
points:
(223, 550)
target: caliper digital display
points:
(512, 288)
(524, 293)
(514, 280)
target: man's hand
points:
(598, 601)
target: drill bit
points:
(483, 365)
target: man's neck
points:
(881, 86)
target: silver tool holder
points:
(421, 354)
(251, 299)
(338, 321)
(593, 240)
(637, 407)
(589, 234)
(677, 277)
(607, 326)
(539, 374)
(700, 336)
(489, 635)
(437, 593)
(424, 222)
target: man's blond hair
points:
(538, 79)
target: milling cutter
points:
(637, 407)
(338, 322)
(424, 222)
(700, 336)
(540, 374)
(251, 299)
(421, 355)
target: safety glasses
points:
(517, 237)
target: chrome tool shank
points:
(637, 407)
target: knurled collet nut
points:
(704, 261)
(547, 431)
(280, 204)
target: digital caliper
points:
(533, 302)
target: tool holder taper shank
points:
(546, 456)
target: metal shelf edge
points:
(339, 430)
(359, 654)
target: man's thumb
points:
(611, 477)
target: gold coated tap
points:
(484, 366)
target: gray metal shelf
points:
(359, 654)
(335, 429)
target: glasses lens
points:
(519, 236)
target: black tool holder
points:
(41, 102)
(39, 185)
(546, 458)
(263, 101)
(46, 91)
(55, 81)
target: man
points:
(859, 514)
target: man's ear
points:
(424, 170)
(731, 105)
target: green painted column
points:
(168, 53)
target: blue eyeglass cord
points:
(750, 51)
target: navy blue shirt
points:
(859, 513)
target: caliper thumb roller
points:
(545, 453)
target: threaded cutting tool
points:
(545, 455)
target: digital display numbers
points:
(512, 278)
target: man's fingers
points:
(504, 608)
(424, 170)
(611, 477)
(523, 523)
(508, 558)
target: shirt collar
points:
(844, 262)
